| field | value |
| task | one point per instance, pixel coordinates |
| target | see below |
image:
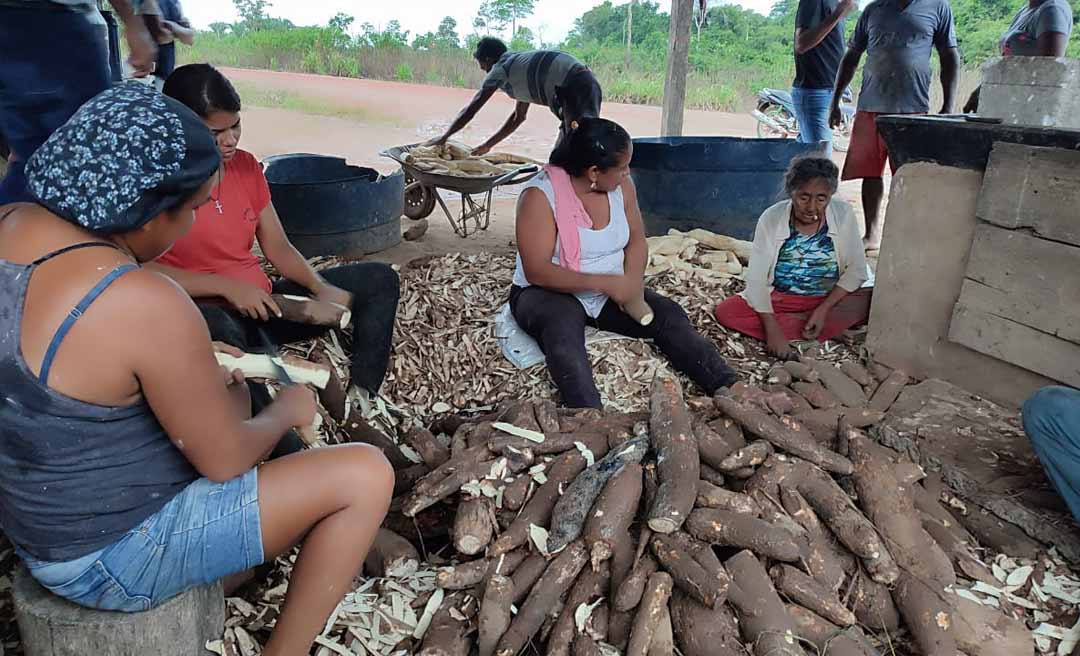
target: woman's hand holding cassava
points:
(249, 300)
(624, 289)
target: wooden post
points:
(682, 14)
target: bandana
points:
(127, 155)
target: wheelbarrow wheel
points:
(419, 200)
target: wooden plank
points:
(1016, 343)
(1031, 187)
(1026, 279)
(678, 61)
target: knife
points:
(308, 434)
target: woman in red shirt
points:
(214, 263)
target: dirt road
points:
(358, 118)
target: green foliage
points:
(523, 40)
(733, 53)
(496, 15)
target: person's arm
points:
(141, 46)
(466, 115)
(758, 292)
(183, 33)
(806, 39)
(247, 299)
(817, 318)
(536, 234)
(950, 73)
(517, 117)
(199, 416)
(846, 73)
(945, 42)
(197, 285)
(636, 253)
(290, 263)
(1052, 44)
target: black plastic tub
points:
(722, 184)
(328, 207)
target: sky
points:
(551, 21)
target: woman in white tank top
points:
(559, 288)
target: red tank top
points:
(221, 242)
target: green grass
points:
(257, 95)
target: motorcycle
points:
(775, 115)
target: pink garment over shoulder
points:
(570, 215)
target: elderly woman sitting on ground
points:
(581, 257)
(807, 268)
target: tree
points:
(424, 41)
(252, 12)
(220, 28)
(341, 21)
(492, 15)
(447, 36)
(516, 10)
(523, 40)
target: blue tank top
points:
(74, 476)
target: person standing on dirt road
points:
(819, 47)
(41, 85)
(898, 37)
(537, 77)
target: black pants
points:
(579, 97)
(557, 322)
(375, 290)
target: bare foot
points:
(871, 242)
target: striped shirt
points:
(532, 76)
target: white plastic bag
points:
(522, 350)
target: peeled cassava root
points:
(610, 536)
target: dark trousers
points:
(375, 293)
(557, 322)
(51, 62)
(166, 60)
(116, 67)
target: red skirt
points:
(793, 311)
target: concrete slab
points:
(929, 229)
(982, 453)
(1037, 91)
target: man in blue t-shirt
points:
(898, 37)
(819, 47)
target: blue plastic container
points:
(328, 207)
(722, 184)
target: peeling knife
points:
(308, 434)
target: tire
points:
(774, 111)
(419, 202)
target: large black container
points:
(722, 184)
(331, 208)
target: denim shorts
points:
(207, 532)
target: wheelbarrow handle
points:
(509, 177)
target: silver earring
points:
(593, 185)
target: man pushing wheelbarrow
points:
(541, 77)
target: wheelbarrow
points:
(422, 192)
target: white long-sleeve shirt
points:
(774, 227)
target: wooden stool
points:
(52, 626)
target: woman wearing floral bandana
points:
(129, 466)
